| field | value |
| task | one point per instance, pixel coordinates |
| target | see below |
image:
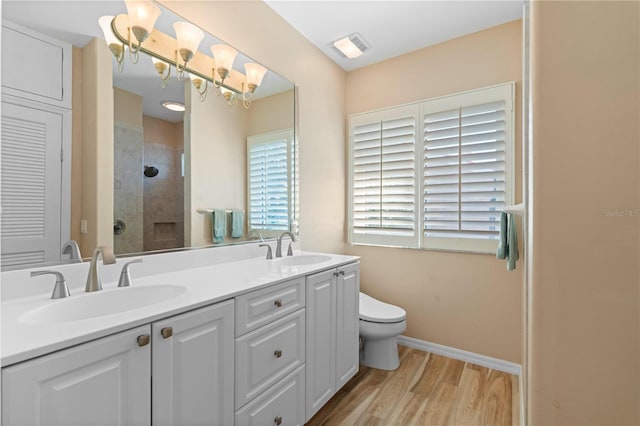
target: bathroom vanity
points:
(215, 336)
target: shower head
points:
(150, 171)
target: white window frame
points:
(506, 92)
(288, 135)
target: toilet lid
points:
(376, 311)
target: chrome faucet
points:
(93, 279)
(279, 246)
(125, 276)
(60, 290)
(269, 255)
(71, 248)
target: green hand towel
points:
(237, 223)
(219, 225)
(502, 251)
(512, 244)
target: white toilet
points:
(380, 325)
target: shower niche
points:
(148, 178)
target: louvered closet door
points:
(31, 185)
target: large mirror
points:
(171, 172)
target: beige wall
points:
(584, 341)
(97, 146)
(215, 162)
(271, 114)
(76, 146)
(466, 301)
(244, 25)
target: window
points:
(271, 174)
(434, 174)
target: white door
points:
(193, 367)
(321, 340)
(102, 383)
(347, 334)
(35, 220)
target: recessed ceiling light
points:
(173, 106)
(351, 46)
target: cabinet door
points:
(347, 331)
(35, 66)
(321, 349)
(193, 367)
(104, 382)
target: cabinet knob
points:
(278, 353)
(278, 420)
(278, 303)
(335, 274)
(167, 332)
(341, 272)
(144, 339)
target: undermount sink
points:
(304, 259)
(102, 303)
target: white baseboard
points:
(459, 354)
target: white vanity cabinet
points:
(104, 382)
(108, 381)
(332, 342)
(192, 358)
(270, 355)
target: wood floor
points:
(426, 389)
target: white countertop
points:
(204, 285)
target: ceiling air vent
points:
(351, 46)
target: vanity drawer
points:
(282, 405)
(267, 355)
(255, 309)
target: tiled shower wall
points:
(163, 195)
(128, 141)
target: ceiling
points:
(391, 28)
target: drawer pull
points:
(278, 420)
(278, 303)
(278, 353)
(167, 332)
(143, 340)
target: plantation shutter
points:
(383, 177)
(465, 168)
(269, 181)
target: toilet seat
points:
(373, 310)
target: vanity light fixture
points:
(351, 46)
(115, 46)
(255, 73)
(224, 56)
(142, 17)
(200, 84)
(173, 106)
(181, 52)
(189, 37)
(229, 96)
(164, 69)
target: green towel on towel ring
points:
(508, 243)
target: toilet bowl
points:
(380, 325)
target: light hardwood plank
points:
(426, 389)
